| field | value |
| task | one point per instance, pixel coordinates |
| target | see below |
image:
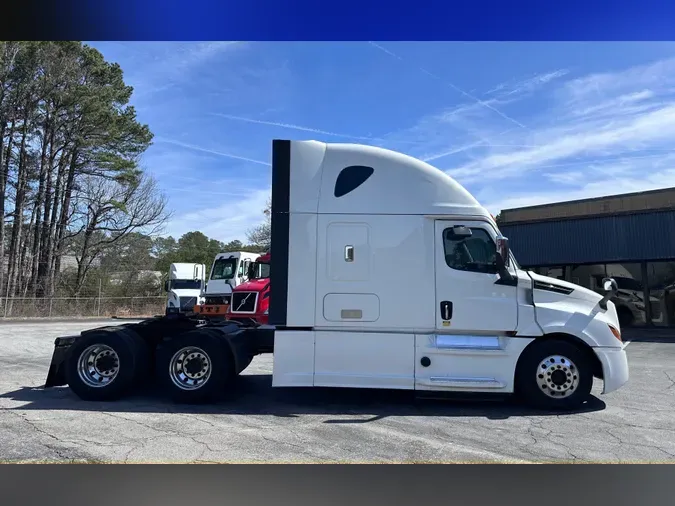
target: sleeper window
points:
(477, 253)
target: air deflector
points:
(279, 249)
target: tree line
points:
(71, 183)
(137, 265)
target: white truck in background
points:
(349, 223)
(184, 287)
(229, 270)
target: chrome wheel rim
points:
(557, 377)
(98, 366)
(190, 368)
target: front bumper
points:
(614, 368)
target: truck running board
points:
(453, 382)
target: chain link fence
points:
(82, 307)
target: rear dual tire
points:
(194, 368)
(103, 366)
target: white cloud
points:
(469, 127)
(158, 66)
(210, 151)
(529, 84)
(598, 188)
(590, 136)
(486, 104)
(637, 132)
(294, 127)
(226, 222)
(572, 177)
(658, 75)
(544, 137)
(629, 103)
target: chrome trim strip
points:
(467, 382)
(456, 341)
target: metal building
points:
(630, 237)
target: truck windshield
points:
(224, 268)
(185, 284)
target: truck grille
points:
(244, 302)
(187, 303)
(218, 300)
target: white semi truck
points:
(348, 223)
(229, 270)
(184, 287)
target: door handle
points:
(446, 310)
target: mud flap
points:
(55, 376)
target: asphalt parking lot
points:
(262, 424)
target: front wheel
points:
(194, 367)
(554, 374)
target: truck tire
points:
(195, 367)
(143, 364)
(553, 374)
(102, 366)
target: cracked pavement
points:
(262, 424)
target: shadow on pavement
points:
(254, 395)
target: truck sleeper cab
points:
(346, 219)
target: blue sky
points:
(516, 123)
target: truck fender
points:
(559, 329)
(239, 343)
(581, 340)
(234, 339)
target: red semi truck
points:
(251, 300)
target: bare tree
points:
(108, 210)
(260, 236)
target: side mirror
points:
(610, 287)
(503, 258)
(503, 252)
(166, 285)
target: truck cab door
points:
(470, 295)
(475, 311)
